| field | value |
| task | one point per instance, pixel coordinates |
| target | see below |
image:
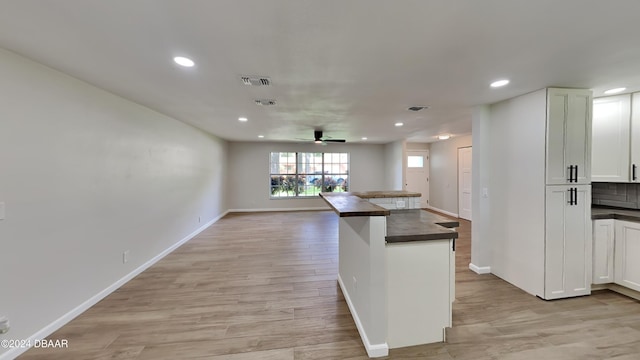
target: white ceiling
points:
(348, 67)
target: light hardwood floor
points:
(263, 286)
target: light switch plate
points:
(2, 210)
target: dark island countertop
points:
(419, 225)
(605, 212)
(347, 204)
(402, 225)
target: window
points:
(415, 161)
(299, 174)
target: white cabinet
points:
(627, 253)
(568, 155)
(603, 241)
(568, 250)
(635, 138)
(611, 136)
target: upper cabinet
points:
(610, 142)
(635, 138)
(569, 136)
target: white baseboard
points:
(66, 318)
(373, 350)
(279, 209)
(480, 269)
(443, 211)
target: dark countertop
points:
(605, 212)
(347, 204)
(402, 225)
(419, 225)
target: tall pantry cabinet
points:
(567, 250)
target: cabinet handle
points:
(634, 167)
(573, 196)
(575, 179)
(570, 168)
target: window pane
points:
(283, 163)
(307, 174)
(415, 161)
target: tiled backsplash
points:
(625, 195)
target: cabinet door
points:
(567, 242)
(627, 248)
(603, 237)
(610, 139)
(568, 135)
(635, 138)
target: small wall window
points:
(414, 161)
(299, 174)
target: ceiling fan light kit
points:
(318, 138)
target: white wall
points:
(443, 173)
(516, 188)
(481, 175)
(394, 160)
(248, 175)
(417, 146)
(86, 175)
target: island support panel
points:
(419, 291)
(362, 277)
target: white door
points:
(568, 136)
(610, 139)
(464, 183)
(635, 139)
(418, 174)
(568, 245)
(603, 245)
(627, 253)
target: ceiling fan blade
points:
(335, 140)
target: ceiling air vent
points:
(417, 108)
(256, 80)
(265, 102)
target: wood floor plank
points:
(264, 286)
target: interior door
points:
(418, 174)
(464, 183)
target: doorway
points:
(418, 174)
(464, 183)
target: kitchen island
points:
(396, 271)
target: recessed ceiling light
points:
(243, 119)
(499, 83)
(398, 124)
(364, 138)
(183, 61)
(261, 136)
(443, 137)
(615, 91)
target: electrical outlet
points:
(125, 256)
(400, 204)
(4, 325)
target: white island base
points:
(399, 294)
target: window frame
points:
(297, 175)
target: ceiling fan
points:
(319, 139)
